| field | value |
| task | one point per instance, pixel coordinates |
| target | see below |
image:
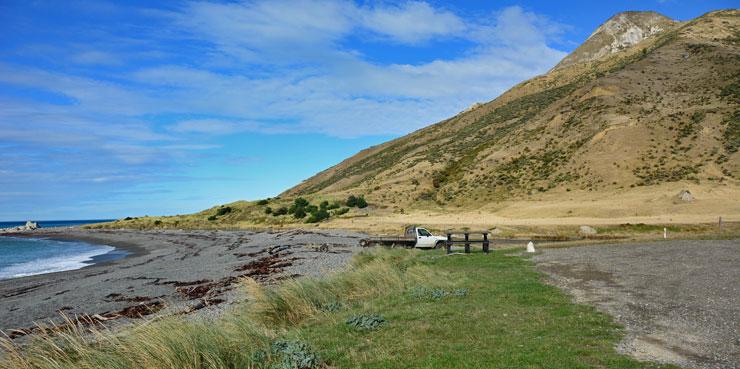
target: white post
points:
(665, 232)
(530, 247)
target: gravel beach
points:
(679, 300)
(167, 272)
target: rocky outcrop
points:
(618, 33)
(29, 226)
(685, 196)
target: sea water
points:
(21, 257)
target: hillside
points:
(645, 108)
(663, 110)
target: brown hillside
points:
(661, 110)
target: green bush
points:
(281, 211)
(318, 216)
(263, 202)
(324, 204)
(299, 213)
(351, 201)
(334, 205)
(341, 211)
(211, 218)
(300, 202)
(157, 222)
(223, 210)
(361, 203)
(268, 210)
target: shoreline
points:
(165, 272)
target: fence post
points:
(467, 244)
(449, 242)
(485, 242)
(720, 224)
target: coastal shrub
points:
(223, 211)
(356, 201)
(351, 201)
(324, 205)
(366, 322)
(268, 210)
(157, 222)
(301, 202)
(128, 218)
(311, 209)
(299, 213)
(334, 205)
(280, 211)
(341, 211)
(318, 216)
(263, 202)
(211, 218)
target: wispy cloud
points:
(130, 100)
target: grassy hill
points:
(645, 108)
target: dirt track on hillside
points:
(679, 300)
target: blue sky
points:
(110, 109)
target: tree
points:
(268, 210)
(351, 201)
(301, 202)
(361, 203)
(299, 213)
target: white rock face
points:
(620, 32)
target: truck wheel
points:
(440, 245)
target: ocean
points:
(21, 257)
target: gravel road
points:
(679, 300)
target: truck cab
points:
(424, 238)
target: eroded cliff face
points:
(618, 33)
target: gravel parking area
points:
(679, 300)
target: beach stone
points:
(586, 230)
(685, 196)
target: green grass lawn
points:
(508, 319)
(462, 311)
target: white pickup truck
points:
(413, 236)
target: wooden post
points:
(449, 243)
(485, 242)
(720, 224)
(467, 244)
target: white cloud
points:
(411, 22)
